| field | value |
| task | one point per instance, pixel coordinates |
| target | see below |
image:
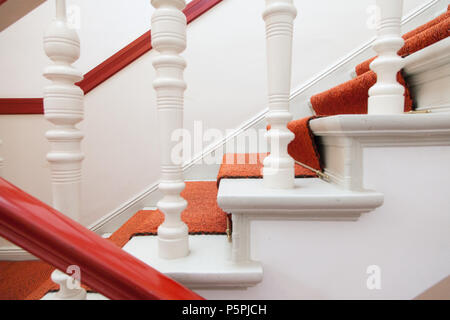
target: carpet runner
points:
(249, 166)
(19, 279)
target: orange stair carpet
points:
(202, 215)
(30, 280)
(243, 166)
(20, 278)
(351, 97)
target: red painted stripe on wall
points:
(116, 63)
(21, 106)
(108, 68)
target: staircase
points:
(320, 176)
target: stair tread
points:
(308, 196)
(369, 125)
(207, 265)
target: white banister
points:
(279, 17)
(63, 107)
(387, 95)
(169, 39)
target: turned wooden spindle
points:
(169, 39)
(387, 95)
(63, 107)
(279, 17)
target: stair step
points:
(207, 266)
(311, 199)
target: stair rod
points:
(320, 174)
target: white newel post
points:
(169, 39)
(279, 17)
(63, 107)
(387, 95)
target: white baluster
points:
(63, 105)
(279, 16)
(169, 39)
(69, 288)
(387, 95)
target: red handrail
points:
(60, 241)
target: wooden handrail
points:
(62, 242)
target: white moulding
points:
(400, 128)
(15, 254)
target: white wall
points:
(226, 78)
(407, 237)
